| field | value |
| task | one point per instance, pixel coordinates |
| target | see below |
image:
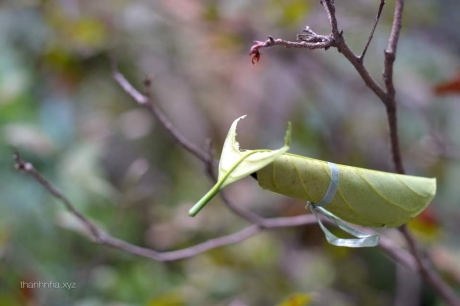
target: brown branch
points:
(271, 42)
(394, 138)
(390, 102)
(428, 272)
(388, 97)
(146, 101)
(318, 42)
(27, 167)
(371, 34)
(343, 48)
(101, 237)
(311, 41)
(186, 252)
(390, 57)
(390, 52)
(260, 223)
(330, 10)
(205, 156)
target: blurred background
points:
(60, 106)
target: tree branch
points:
(312, 41)
(27, 167)
(427, 271)
(371, 34)
(330, 10)
(390, 57)
(99, 236)
(390, 52)
(258, 222)
(388, 98)
(146, 101)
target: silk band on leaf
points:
(362, 239)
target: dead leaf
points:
(448, 87)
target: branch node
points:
(147, 82)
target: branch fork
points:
(386, 94)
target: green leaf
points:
(236, 164)
(365, 197)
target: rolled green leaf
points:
(364, 197)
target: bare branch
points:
(99, 236)
(371, 34)
(390, 57)
(343, 48)
(321, 42)
(128, 88)
(389, 100)
(27, 167)
(427, 271)
(388, 97)
(104, 238)
(330, 10)
(394, 138)
(390, 52)
(186, 252)
(146, 101)
(324, 43)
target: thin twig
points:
(371, 34)
(394, 138)
(390, 52)
(321, 42)
(146, 101)
(388, 98)
(427, 271)
(101, 237)
(205, 156)
(325, 42)
(390, 57)
(27, 167)
(329, 7)
(343, 48)
(390, 102)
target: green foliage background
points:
(60, 106)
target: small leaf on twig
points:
(235, 164)
(254, 51)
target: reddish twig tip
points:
(255, 53)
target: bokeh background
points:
(60, 106)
